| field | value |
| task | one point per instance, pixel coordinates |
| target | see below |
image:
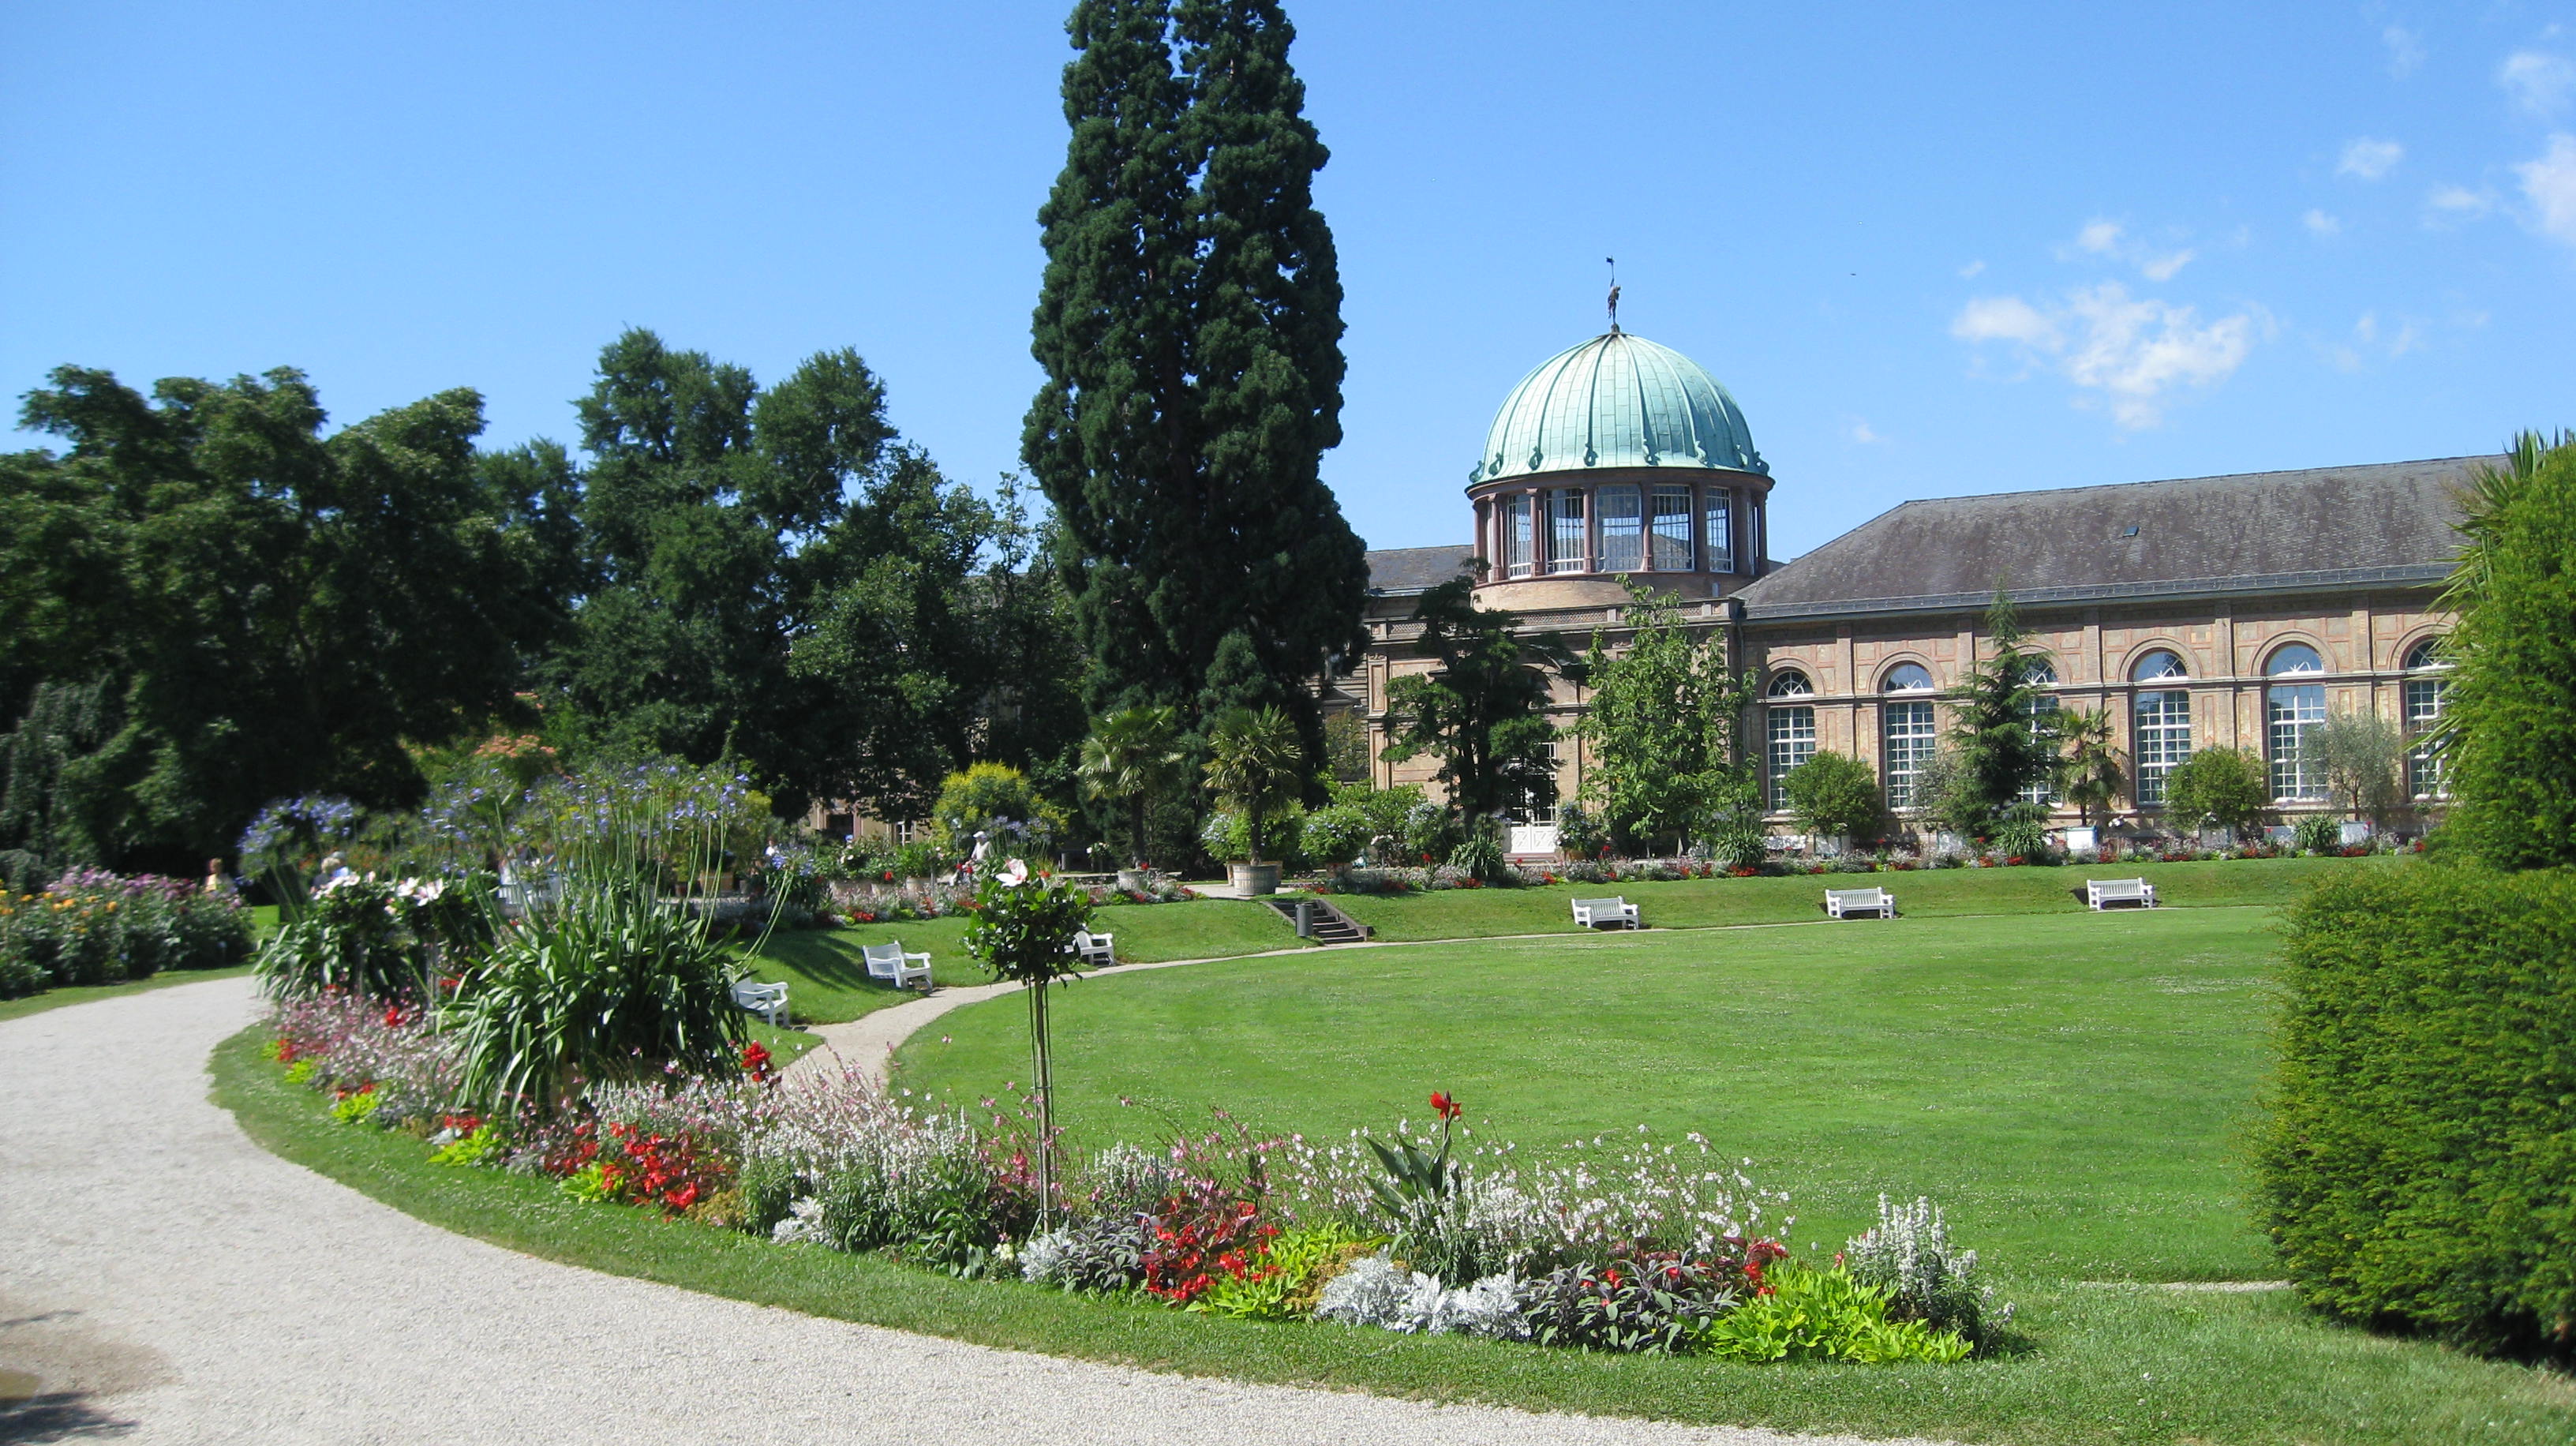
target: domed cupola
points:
(1617, 401)
(1613, 459)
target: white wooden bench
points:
(1094, 951)
(769, 1001)
(1843, 903)
(2102, 893)
(887, 961)
(1593, 913)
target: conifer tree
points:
(1190, 327)
(2003, 743)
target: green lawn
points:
(2119, 1364)
(828, 983)
(2068, 1086)
(1920, 893)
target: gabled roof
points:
(2258, 531)
(1397, 571)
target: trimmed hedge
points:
(2419, 1170)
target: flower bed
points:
(93, 927)
(1620, 1244)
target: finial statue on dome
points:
(1614, 295)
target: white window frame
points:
(1569, 540)
(1910, 731)
(1717, 522)
(1789, 739)
(2161, 721)
(1520, 538)
(1669, 530)
(1621, 513)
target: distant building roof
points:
(1400, 570)
(2257, 531)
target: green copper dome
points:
(1617, 401)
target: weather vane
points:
(1614, 295)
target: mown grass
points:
(1920, 893)
(2068, 1087)
(828, 983)
(2128, 1364)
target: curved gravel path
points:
(164, 1279)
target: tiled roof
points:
(1416, 569)
(2323, 526)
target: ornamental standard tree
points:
(2228, 787)
(1834, 795)
(2508, 727)
(1190, 325)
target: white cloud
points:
(2452, 205)
(2099, 237)
(2538, 81)
(2369, 159)
(2405, 50)
(1862, 433)
(2164, 268)
(1971, 269)
(2369, 344)
(2321, 224)
(2549, 184)
(2130, 352)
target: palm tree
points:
(1134, 757)
(1258, 766)
(2089, 773)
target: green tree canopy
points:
(1481, 710)
(2509, 720)
(1664, 725)
(1189, 325)
(2090, 770)
(243, 605)
(1133, 758)
(1257, 767)
(2363, 759)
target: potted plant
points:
(1256, 766)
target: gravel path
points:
(164, 1279)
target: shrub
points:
(1580, 833)
(2509, 717)
(2316, 834)
(1834, 795)
(375, 938)
(999, 800)
(92, 927)
(1908, 1256)
(1103, 1255)
(2225, 786)
(1806, 1314)
(2419, 1167)
(1375, 1291)
(1337, 834)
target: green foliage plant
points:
(2418, 1169)
(998, 800)
(1481, 709)
(1134, 757)
(2508, 729)
(2004, 737)
(2091, 772)
(1835, 795)
(1808, 1313)
(2225, 787)
(1276, 1282)
(1664, 725)
(2316, 833)
(1257, 768)
(1337, 834)
(2363, 758)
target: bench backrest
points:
(890, 954)
(1609, 903)
(2117, 888)
(1857, 896)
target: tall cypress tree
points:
(1190, 325)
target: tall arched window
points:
(1623, 535)
(2291, 711)
(2039, 673)
(1789, 731)
(2424, 698)
(2163, 724)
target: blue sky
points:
(1932, 250)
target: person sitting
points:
(217, 881)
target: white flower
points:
(1015, 873)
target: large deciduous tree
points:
(209, 602)
(1189, 324)
(1664, 726)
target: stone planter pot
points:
(1254, 881)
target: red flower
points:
(393, 1016)
(1448, 1108)
(755, 1062)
